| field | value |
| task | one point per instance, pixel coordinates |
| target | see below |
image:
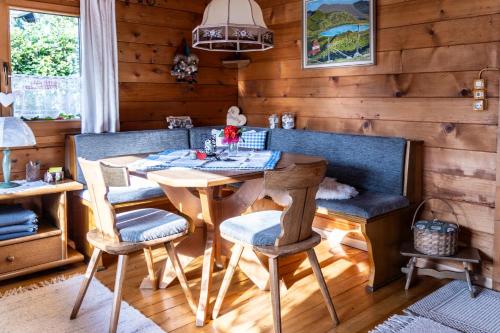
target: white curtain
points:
(99, 52)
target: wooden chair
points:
(277, 234)
(124, 233)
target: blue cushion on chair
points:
(149, 224)
(139, 189)
(258, 229)
(366, 205)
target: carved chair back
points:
(299, 184)
(104, 214)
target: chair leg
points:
(233, 262)
(275, 293)
(151, 282)
(322, 285)
(89, 274)
(174, 259)
(117, 295)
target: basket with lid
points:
(435, 237)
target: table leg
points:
(212, 210)
(191, 247)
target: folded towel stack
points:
(16, 221)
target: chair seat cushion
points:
(148, 224)
(366, 204)
(139, 189)
(258, 229)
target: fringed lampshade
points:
(233, 26)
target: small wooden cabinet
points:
(48, 248)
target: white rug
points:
(47, 309)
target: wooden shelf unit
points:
(48, 248)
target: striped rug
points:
(449, 309)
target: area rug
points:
(452, 306)
(46, 308)
(449, 309)
(411, 324)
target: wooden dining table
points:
(198, 195)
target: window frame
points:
(25, 5)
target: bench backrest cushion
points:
(97, 146)
(368, 163)
(198, 135)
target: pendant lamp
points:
(233, 26)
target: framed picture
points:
(179, 122)
(338, 33)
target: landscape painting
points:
(338, 33)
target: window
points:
(45, 65)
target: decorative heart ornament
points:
(234, 118)
(6, 99)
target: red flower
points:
(232, 134)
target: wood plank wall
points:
(148, 37)
(428, 53)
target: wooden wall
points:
(428, 53)
(148, 37)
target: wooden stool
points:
(466, 255)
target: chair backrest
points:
(104, 214)
(299, 183)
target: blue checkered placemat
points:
(245, 160)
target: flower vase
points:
(233, 149)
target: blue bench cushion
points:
(198, 135)
(258, 229)
(149, 224)
(97, 146)
(368, 163)
(366, 205)
(139, 189)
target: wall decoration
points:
(185, 68)
(234, 117)
(179, 122)
(338, 33)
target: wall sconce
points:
(480, 100)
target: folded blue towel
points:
(15, 214)
(29, 226)
(17, 235)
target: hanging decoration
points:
(185, 68)
(233, 26)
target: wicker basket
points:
(435, 237)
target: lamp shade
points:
(15, 133)
(233, 26)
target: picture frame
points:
(179, 122)
(351, 26)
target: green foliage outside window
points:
(44, 44)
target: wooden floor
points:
(247, 309)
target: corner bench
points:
(386, 171)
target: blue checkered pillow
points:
(253, 140)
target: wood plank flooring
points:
(247, 309)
